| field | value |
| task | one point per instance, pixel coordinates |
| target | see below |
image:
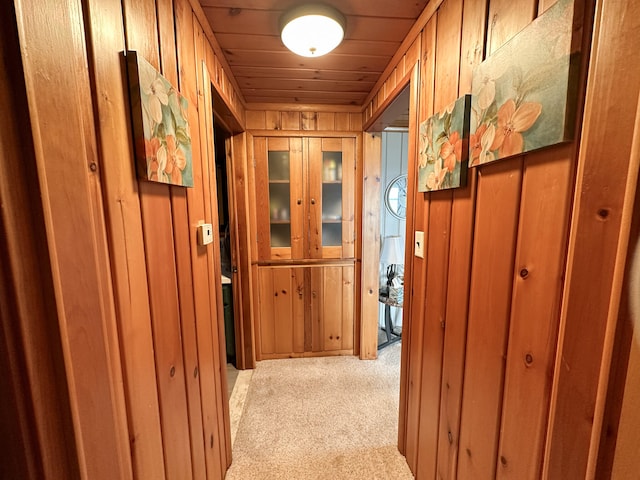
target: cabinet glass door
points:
(331, 199)
(279, 198)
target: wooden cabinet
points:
(305, 197)
(305, 208)
(306, 310)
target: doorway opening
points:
(393, 127)
(221, 138)
(395, 144)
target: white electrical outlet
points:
(419, 245)
(205, 234)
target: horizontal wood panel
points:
(266, 22)
(379, 8)
(252, 71)
(306, 99)
(297, 95)
(283, 59)
(238, 41)
(356, 86)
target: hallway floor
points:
(321, 418)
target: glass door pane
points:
(279, 198)
(331, 199)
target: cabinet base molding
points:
(280, 356)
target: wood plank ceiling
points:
(267, 72)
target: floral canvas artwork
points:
(160, 126)
(524, 93)
(444, 147)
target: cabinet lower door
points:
(281, 311)
(332, 310)
(305, 311)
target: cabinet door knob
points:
(313, 201)
(299, 202)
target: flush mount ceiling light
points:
(312, 30)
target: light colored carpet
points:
(237, 400)
(321, 418)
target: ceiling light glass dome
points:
(312, 30)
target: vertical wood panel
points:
(506, 18)
(156, 215)
(53, 41)
(290, 120)
(261, 176)
(326, 120)
(332, 309)
(544, 212)
(317, 313)
(448, 35)
(371, 237)
(462, 226)
(433, 331)
(38, 439)
(256, 120)
(597, 225)
(348, 148)
(267, 309)
(298, 300)
(240, 177)
(188, 328)
(473, 41)
(418, 267)
(314, 164)
(308, 310)
(453, 363)
(190, 69)
(309, 121)
(272, 120)
(348, 311)
(358, 225)
(355, 122)
(162, 277)
(167, 39)
(298, 194)
(283, 310)
(491, 280)
(168, 54)
(126, 238)
(408, 263)
(342, 122)
(220, 440)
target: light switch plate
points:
(419, 245)
(205, 234)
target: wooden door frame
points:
(237, 168)
(237, 162)
(371, 243)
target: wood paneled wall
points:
(138, 341)
(115, 354)
(485, 315)
(486, 322)
(308, 118)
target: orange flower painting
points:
(523, 94)
(444, 148)
(160, 125)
